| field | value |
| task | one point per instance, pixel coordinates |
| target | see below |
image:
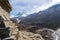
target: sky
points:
(26, 7)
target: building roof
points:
(5, 5)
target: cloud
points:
(27, 6)
(46, 6)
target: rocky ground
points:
(40, 35)
(24, 35)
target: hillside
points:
(49, 18)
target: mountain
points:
(16, 19)
(49, 18)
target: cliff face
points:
(4, 17)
